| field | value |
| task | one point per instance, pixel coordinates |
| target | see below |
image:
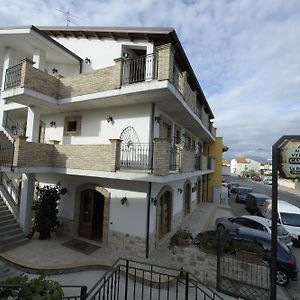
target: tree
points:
(46, 209)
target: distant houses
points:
(242, 165)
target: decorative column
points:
(27, 194)
(161, 156)
(165, 62)
(33, 124)
(39, 57)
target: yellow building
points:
(213, 182)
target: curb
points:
(54, 269)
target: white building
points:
(239, 165)
(117, 116)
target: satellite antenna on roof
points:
(67, 15)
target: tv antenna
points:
(67, 15)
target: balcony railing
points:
(136, 156)
(139, 69)
(13, 76)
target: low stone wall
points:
(126, 243)
(202, 265)
(84, 157)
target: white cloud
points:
(245, 53)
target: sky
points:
(245, 53)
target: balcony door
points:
(165, 211)
(187, 199)
(91, 215)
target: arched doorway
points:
(187, 198)
(91, 215)
(164, 213)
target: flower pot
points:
(183, 242)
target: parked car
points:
(288, 216)
(286, 262)
(254, 222)
(256, 178)
(242, 192)
(254, 203)
(232, 185)
(267, 180)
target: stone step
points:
(10, 232)
(6, 217)
(11, 238)
(11, 221)
(3, 207)
(6, 271)
(13, 244)
(4, 213)
(9, 227)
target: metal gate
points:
(241, 271)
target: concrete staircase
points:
(11, 235)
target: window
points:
(72, 126)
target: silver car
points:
(254, 222)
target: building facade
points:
(117, 116)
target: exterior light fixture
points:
(109, 119)
(124, 200)
(180, 190)
(87, 60)
(54, 71)
(125, 54)
(53, 124)
(157, 119)
(154, 201)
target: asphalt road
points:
(238, 209)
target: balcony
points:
(27, 85)
(167, 158)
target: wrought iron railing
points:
(131, 280)
(12, 126)
(139, 69)
(7, 153)
(136, 156)
(175, 158)
(13, 76)
(10, 188)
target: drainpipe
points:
(150, 183)
(148, 219)
(152, 134)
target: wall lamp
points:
(154, 200)
(109, 119)
(157, 119)
(194, 188)
(179, 190)
(124, 200)
(54, 71)
(87, 60)
(53, 124)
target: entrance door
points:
(91, 215)
(187, 199)
(164, 214)
(199, 191)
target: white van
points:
(288, 215)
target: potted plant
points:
(46, 209)
(181, 238)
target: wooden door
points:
(187, 199)
(164, 225)
(86, 214)
(199, 191)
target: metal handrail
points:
(157, 278)
(136, 155)
(139, 69)
(13, 76)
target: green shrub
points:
(180, 234)
(35, 289)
